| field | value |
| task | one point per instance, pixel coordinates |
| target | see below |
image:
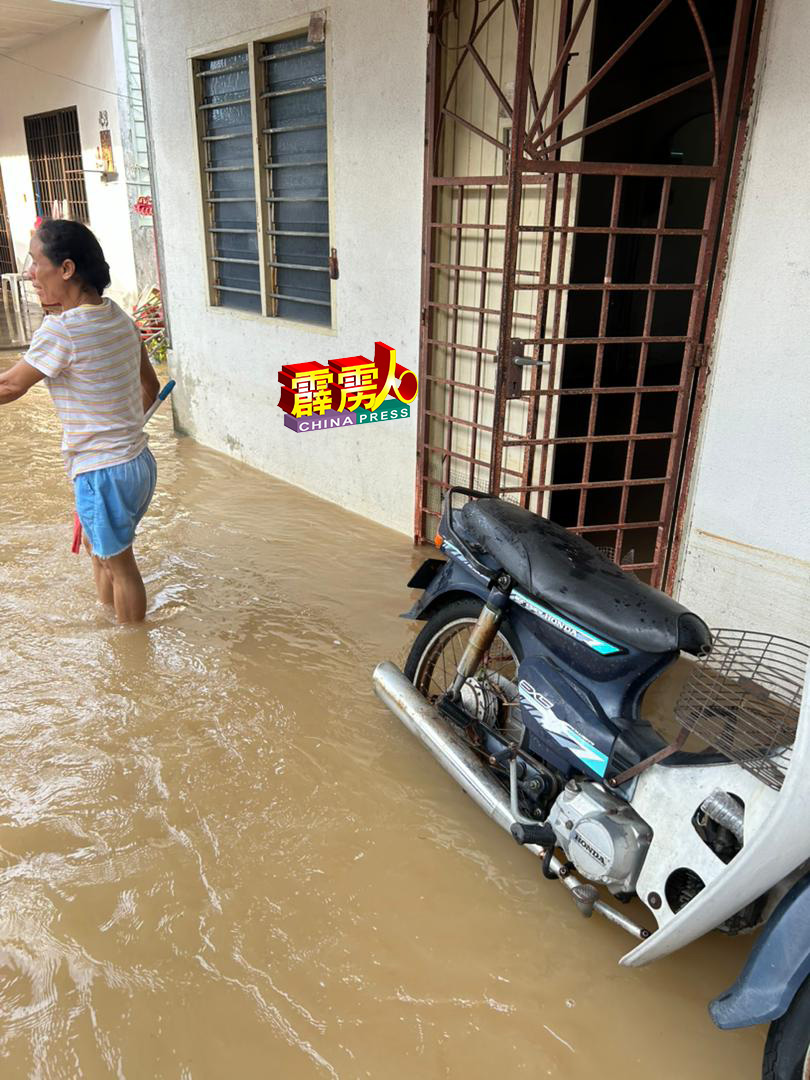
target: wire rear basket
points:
(743, 698)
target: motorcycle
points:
(526, 683)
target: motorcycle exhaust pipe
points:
(462, 763)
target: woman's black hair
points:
(71, 240)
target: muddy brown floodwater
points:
(221, 857)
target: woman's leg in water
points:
(114, 500)
(119, 582)
(128, 591)
(101, 576)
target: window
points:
(265, 168)
(54, 151)
(295, 160)
(227, 135)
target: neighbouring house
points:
(72, 133)
(609, 314)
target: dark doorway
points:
(678, 131)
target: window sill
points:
(269, 320)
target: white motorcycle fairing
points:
(776, 841)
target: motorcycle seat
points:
(570, 575)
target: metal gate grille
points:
(7, 260)
(55, 154)
(566, 271)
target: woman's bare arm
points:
(17, 381)
(150, 385)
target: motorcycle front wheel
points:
(434, 657)
(787, 1051)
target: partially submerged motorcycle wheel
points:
(491, 694)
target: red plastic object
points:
(77, 534)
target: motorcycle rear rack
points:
(743, 698)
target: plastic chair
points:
(15, 285)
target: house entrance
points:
(569, 268)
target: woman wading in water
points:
(101, 383)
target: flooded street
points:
(221, 857)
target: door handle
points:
(517, 346)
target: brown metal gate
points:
(7, 260)
(566, 273)
(55, 156)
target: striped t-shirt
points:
(91, 356)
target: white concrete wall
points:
(747, 554)
(50, 75)
(227, 363)
(135, 143)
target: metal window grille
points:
(7, 261)
(296, 189)
(229, 191)
(55, 155)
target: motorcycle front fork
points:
(483, 634)
(526, 830)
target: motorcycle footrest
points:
(542, 835)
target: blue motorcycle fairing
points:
(431, 568)
(448, 577)
(777, 966)
(425, 574)
(614, 681)
(563, 727)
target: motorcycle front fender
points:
(439, 580)
(778, 965)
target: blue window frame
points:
(297, 179)
(224, 104)
(279, 215)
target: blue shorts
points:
(110, 502)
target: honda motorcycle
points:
(526, 683)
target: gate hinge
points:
(334, 269)
(699, 358)
(431, 21)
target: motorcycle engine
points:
(602, 836)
